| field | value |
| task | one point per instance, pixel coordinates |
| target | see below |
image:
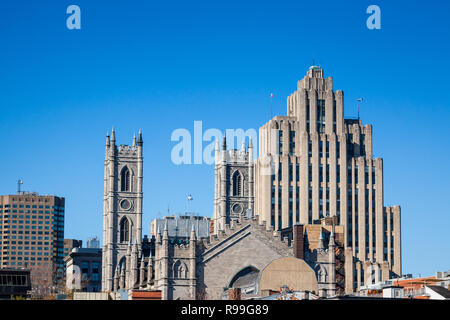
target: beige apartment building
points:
(32, 233)
(314, 163)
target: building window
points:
(125, 180)
(95, 267)
(280, 142)
(85, 267)
(124, 230)
(320, 149)
(321, 115)
(237, 184)
(291, 143)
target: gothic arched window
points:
(125, 180)
(122, 264)
(321, 273)
(124, 230)
(179, 270)
(237, 184)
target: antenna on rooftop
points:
(271, 97)
(19, 182)
(189, 198)
(359, 101)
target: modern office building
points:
(93, 243)
(32, 233)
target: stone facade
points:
(206, 268)
(233, 189)
(122, 209)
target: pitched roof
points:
(441, 291)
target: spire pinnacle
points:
(217, 146)
(224, 143)
(193, 234)
(140, 141)
(134, 141)
(158, 235)
(107, 139)
(166, 232)
(321, 237)
(243, 145)
(331, 243)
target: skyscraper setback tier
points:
(313, 164)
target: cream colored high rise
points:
(313, 163)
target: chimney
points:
(298, 243)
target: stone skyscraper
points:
(314, 164)
(122, 205)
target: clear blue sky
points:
(161, 65)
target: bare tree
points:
(43, 284)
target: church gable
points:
(244, 244)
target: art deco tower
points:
(122, 205)
(313, 164)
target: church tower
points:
(122, 205)
(233, 193)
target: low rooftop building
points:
(83, 269)
(14, 283)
